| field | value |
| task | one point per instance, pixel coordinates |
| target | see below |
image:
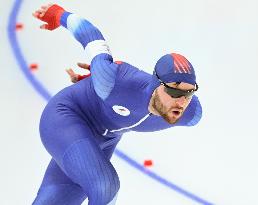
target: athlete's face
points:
(171, 109)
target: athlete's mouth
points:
(176, 113)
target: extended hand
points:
(51, 14)
(76, 77)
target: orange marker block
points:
(19, 26)
(148, 163)
(34, 66)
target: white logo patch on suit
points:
(121, 110)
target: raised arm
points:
(103, 69)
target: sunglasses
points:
(177, 93)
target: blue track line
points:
(46, 95)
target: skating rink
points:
(215, 162)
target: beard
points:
(163, 111)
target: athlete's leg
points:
(57, 188)
(75, 149)
(86, 164)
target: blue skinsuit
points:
(82, 124)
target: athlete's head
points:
(177, 84)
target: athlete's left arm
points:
(103, 69)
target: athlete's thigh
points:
(87, 165)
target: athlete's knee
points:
(103, 192)
(84, 163)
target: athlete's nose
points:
(181, 101)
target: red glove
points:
(52, 17)
(81, 77)
(76, 77)
(84, 66)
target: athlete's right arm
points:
(103, 69)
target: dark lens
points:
(189, 94)
(176, 93)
